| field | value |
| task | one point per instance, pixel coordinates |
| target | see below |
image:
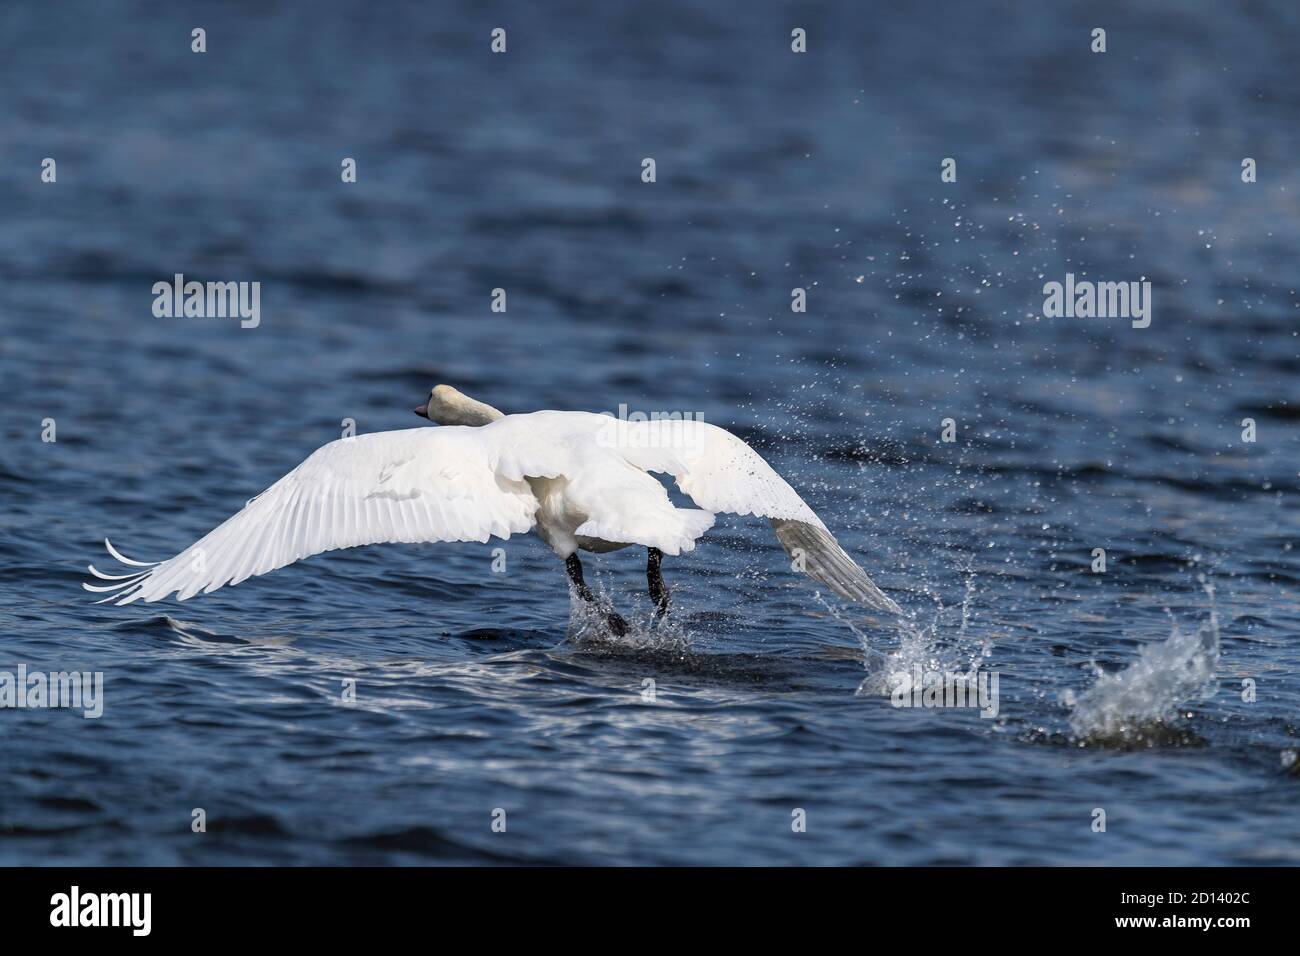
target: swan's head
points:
(446, 406)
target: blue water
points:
(476, 690)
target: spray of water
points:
(1141, 703)
(929, 646)
(588, 627)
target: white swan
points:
(580, 480)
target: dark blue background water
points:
(775, 170)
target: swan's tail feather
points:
(124, 586)
(824, 560)
(672, 530)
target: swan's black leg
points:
(658, 593)
(574, 567)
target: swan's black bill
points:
(422, 411)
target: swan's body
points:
(581, 481)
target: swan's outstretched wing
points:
(419, 484)
(722, 473)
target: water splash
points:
(588, 627)
(1141, 704)
(921, 645)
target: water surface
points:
(477, 690)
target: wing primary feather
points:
(825, 561)
(125, 560)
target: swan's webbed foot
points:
(658, 591)
(617, 626)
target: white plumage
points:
(581, 481)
